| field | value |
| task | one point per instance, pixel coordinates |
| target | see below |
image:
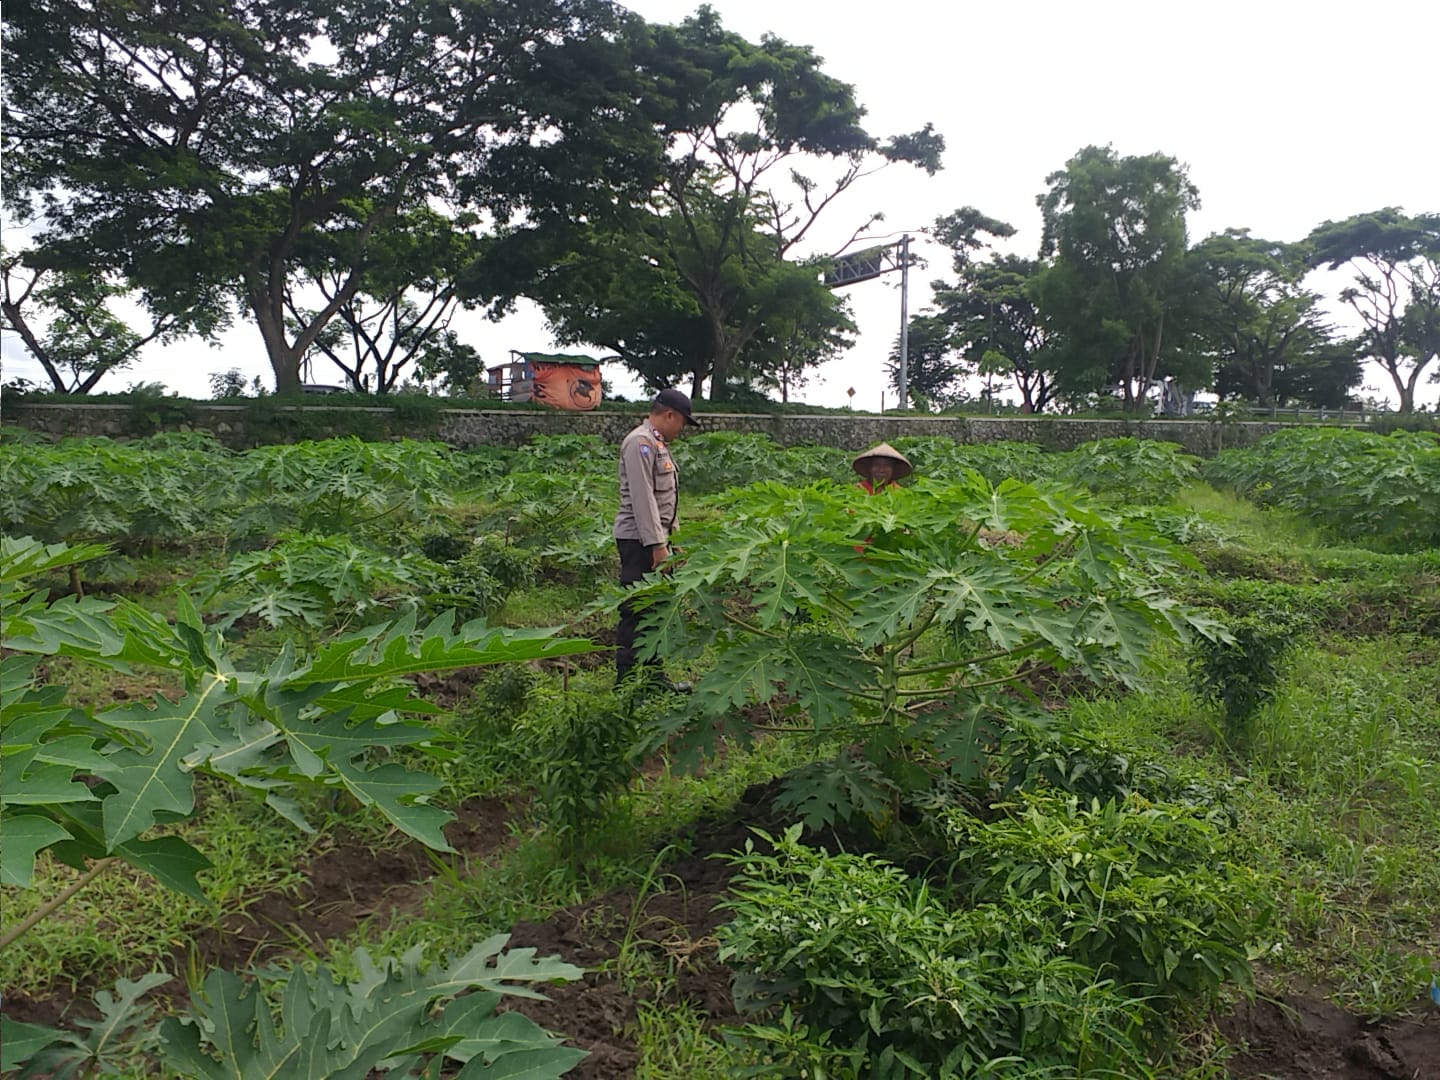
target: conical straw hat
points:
(903, 468)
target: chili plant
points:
(890, 621)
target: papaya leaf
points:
(25, 835)
(99, 1047)
(19, 1041)
(329, 1027)
(152, 777)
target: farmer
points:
(881, 467)
(649, 494)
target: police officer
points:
(649, 495)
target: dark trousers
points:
(634, 565)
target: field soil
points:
(655, 943)
(1305, 1036)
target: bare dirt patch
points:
(1304, 1036)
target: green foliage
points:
(812, 600)
(564, 516)
(989, 313)
(443, 547)
(176, 487)
(1130, 470)
(1396, 290)
(1267, 333)
(1379, 490)
(1115, 285)
(586, 454)
(409, 1019)
(715, 461)
(1142, 893)
(1242, 674)
(879, 978)
(939, 458)
(315, 579)
(704, 283)
(506, 690)
(1038, 756)
(327, 721)
(340, 485)
(477, 583)
(120, 1035)
(164, 489)
(338, 182)
(1386, 423)
(583, 763)
(332, 1027)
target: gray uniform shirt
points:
(649, 488)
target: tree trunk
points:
(719, 360)
(37, 350)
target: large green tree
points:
(1268, 334)
(642, 291)
(990, 309)
(934, 371)
(72, 324)
(192, 146)
(1396, 290)
(760, 141)
(401, 311)
(1114, 293)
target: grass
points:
(124, 923)
(675, 1042)
(1335, 797)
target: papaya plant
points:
(92, 785)
(896, 623)
(314, 578)
(407, 1018)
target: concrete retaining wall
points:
(243, 426)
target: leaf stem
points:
(1056, 552)
(909, 639)
(748, 626)
(55, 903)
(955, 665)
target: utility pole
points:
(904, 320)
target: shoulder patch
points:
(644, 449)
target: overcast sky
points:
(1286, 114)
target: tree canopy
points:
(214, 152)
(697, 286)
(1268, 338)
(1115, 235)
(1396, 290)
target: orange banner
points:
(566, 386)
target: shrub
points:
(1138, 892)
(939, 458)
(316, 579)
(583, 763)
(818, 594)
(879, 979)
(478, 583)
(1242, 674)
(718, 460)
(1378, 490)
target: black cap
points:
(677, 400)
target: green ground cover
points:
(1064, 756)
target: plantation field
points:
(1112, 763)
